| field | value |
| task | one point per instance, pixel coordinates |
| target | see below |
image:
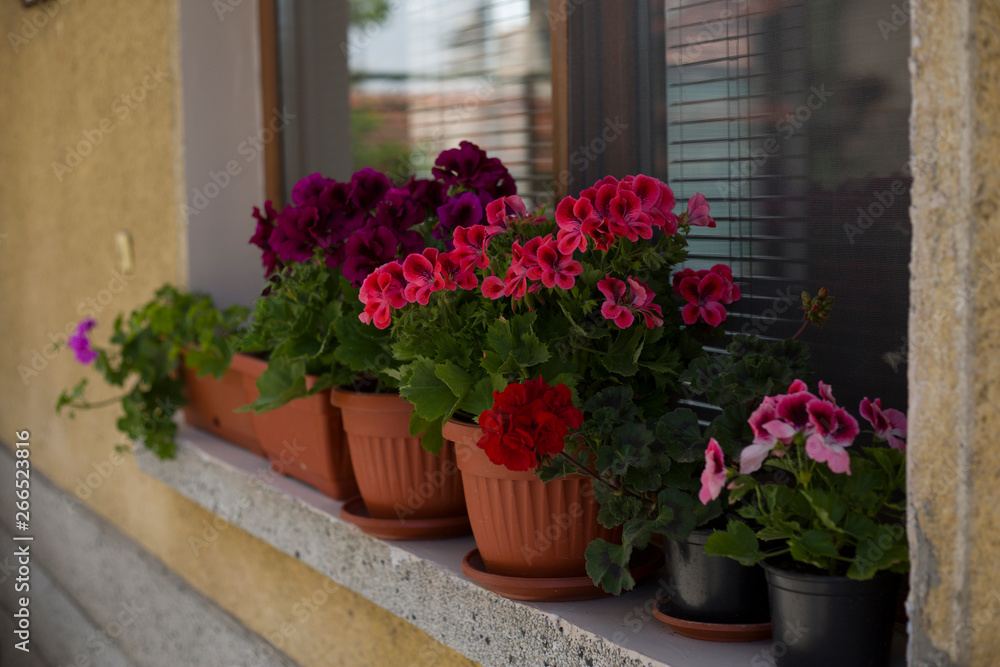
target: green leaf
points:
(280, 383)
(680, 432)
(458, 380)
(607, 566)
(431, 396)
(624, 352)
(815, 547)
(737, 542)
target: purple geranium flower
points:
(366, 251)
(80, 344)
(308, 190)
(293, 237)
(427, 193)
(465, 210)
(265, 226)
(368, 188)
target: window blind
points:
(791, 118)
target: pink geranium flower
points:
(889, 425)
(576, 219)
(833, 431)
(422, 278)
(626, 300)
(470, 247)
(452, 276)
(752, 457)
(702, 296)
(627, 217)
(501, 212)
(642, 303)
(791, 415)
(492, 287)
(713, 478)
(80, 343)
(557, 268)
(382, 291)
(730, 292)
(616, 308)
(601, 197)
(698, 212)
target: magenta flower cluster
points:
(611, 210)
(80, 343)
(706, 292)
(781, 422)
(362, 224)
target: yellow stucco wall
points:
(954, 461)
(63, 78)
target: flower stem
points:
(607, 483)
(805, 325)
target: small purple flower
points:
(79, 343)
(465, 210)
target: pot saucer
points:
(354, 511)
(553, 589)
(713, 632)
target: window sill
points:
(422, 581)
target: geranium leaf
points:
(431, 397)
(607, 566)
(737, 541)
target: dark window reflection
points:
(792, 118)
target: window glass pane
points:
(426, 74)
(791, 116)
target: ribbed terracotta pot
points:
(525, 527)
(212, 403)
(304, 439)
(397, 477)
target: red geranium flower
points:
(528, 421)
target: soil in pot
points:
(305, 439)
(212, 403)
(524, 527)
(826, 621)
(713, 589)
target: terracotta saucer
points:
(355, 512)
(713, 632)
(553, 589)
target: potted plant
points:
(573, 302)
(409, 491)
(712, 597)
(319, 251)
(172, 352)
(829, 531)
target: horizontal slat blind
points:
(789, 117)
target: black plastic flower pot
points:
(824, 621)
(713, 589)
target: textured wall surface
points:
(954, 463)
(93, 87)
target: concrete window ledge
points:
(422, 582)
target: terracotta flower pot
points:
(304, 439)
(525, 527)
(397, 477)
(212, 404)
